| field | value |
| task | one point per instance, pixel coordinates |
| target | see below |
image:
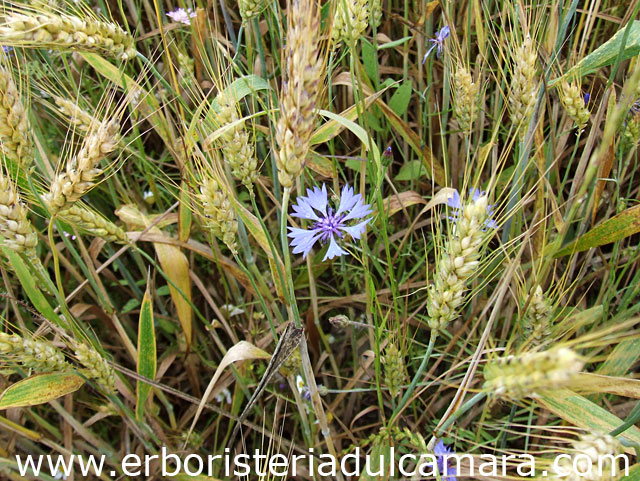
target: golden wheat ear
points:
(39, 28)
(304, 70)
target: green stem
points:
(416, 378)
(463, 409)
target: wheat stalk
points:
(465, 98)
(77, 116)
(66, 32)
(459, 260)
(218, 212)
(303, 72)
(515, 377)
(592, 457)
(97, 367)
(524, 87)
(93, 223)
(41, 356)
(81, 171)
(236, 148)
(14, 124)
(573, 102)
(537, 319)
(351, 19)
(395, 372)
(19, 235)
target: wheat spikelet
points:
(250, 8)
(459, 260)
(465, 98)
(77, 116)
(82, 170)
(573, 101)
(631, 134)
(516, 377)
(592, 457)
(93, 223)
(15, 226)
(376, 13)
(522, 95)
(351, 19)
(14, 125)
(537, 319)
(303, 72)
(41, 356)
(219, 213)
(236, 148)
(49, 30)
(394, 370)
(97, 368)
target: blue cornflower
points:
(456, 204)
(328, 225)
(438, 42)
(441, 450)
(6, 49)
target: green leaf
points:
(634, 474)
(40, 389)
(412, 170)
(623, 225)
(130, 305)
(381, 449)
(583, 413)
(607, 53)
(359, 132)
(30, 286)
(394, 43)
(147, 361)
(370, 60)
(399, 101)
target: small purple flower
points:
(586, 98)
(635, 107)
(441, 451)
(328, 226)
(456, 204)
(6, 49)
(388, 152)
(438, 42)
(181, 15)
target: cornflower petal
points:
(355, 231)
(440, 451)
(454, 200)
(424, 59)
(334, 250)
(303, 240)
(303, 210)
(347, 199)
(317, 198)
(359, 210)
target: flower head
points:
(6, 49)
(303, 389)
(456, 204)
(328, 226)
(181, 15)
(438, 42)
(586, 98)
(441, 451)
